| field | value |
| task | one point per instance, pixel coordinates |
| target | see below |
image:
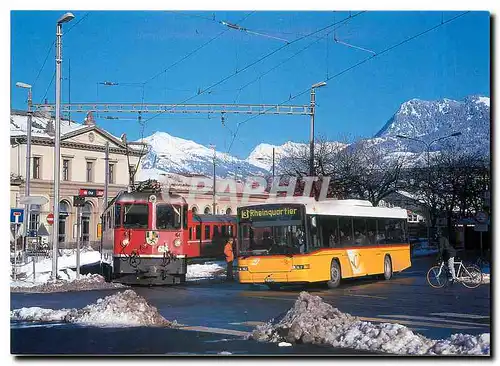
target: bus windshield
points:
(268, 239)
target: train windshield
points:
(168, 217)
(135, 215)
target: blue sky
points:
(130, 48)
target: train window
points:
(135, 215)
(216, 230)
(108, 219)
(190, 233)
(103, 219)
(230, 230)
(118, 214)
(207, 232)
(223, 230)
(168, 217)
(198, 232)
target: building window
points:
(90, 171)
(111, 177)
(229, 211)
(36, 167)
(207, 210)
(65, 170)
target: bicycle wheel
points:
(437, 277)
(472, 277)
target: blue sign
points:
(16, 215)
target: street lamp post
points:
(28, 156)
(213, 191)
(57, 151)
(311, 133)
(428, 152)
(264, 159)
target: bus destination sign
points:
(270, 213)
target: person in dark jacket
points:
(447, 252)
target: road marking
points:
(458, 315)
(216, 330)
(433, 319)
(370, 296)
(250, 323)
(408, 322)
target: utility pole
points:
(273, 164)
(311, 132)
(28, 156)
(213, 191)
(78, 235)
(57, 151)
(106, 176)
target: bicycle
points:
(470, 276)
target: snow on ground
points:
(84, 283)
(208, 270)
(123, 309)
(66, 276)
(313, 321)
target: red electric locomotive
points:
(144, 238)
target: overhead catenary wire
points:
(352, 67)
(256, 62)
(189, 54)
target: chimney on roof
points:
(49, 128)
(89, 119)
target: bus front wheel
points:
(335, 275)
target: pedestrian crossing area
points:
(453, 321)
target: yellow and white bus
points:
(304, 241)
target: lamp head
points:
(319, 85)
(66, 18)
(23, 85)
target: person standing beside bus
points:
(228, 252)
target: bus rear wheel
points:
(335, 275)
(387, 268)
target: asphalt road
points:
(217, 314)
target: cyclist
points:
(447, 252)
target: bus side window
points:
(207, 232)
(381, 234)
(360, 232)
(198, 232)
(345, 231)
(330, 227)
(371, 228)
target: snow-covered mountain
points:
(177, 155)
(424, 120)
(430, 120)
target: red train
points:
(148, 236)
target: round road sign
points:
(50, 218)
(482, 217)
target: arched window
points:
(207, 210)
(229, 211)
(64, 211)
(194, 210)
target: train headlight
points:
(125, 242)
(177, 242)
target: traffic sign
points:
(34, 200)
(91, 192)
(481, 227)
(50, 218)
(78, 201)
(482, 217)
(16, 215)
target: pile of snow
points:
(84, 283)
(313, 321)
(207, 270)
(123, 308)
